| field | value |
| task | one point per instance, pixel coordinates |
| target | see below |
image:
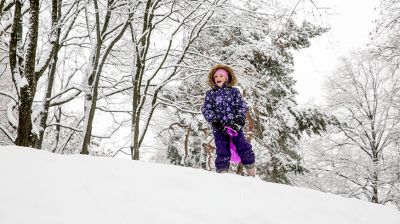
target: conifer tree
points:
(258, 46)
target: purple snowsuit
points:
(224, 104)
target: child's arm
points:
(240, 105)
(209, 113)
(208, 109)
(240, 109)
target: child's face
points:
(219, 79)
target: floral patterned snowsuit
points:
(224, 104)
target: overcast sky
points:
(350, 23)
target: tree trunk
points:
(25, 135)
(55, 15)
(375, 179)
(15, 42)
(57, 117)
(91, 95)
(90, 102)
(135, 110)
(138, 72)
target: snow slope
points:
(38, 187)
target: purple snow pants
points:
(243, 148)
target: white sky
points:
(351, 23)
(38, 187)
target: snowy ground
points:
(38, 187)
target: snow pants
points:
(243, 148)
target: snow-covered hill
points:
(38, 187)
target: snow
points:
(10, 114)
(23, 82)
(20, 81)
(44, 188)
(44, 59)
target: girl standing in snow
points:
(225, 109)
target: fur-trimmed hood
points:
(232, 76)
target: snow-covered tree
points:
(256, 39)
(386, 35)
(104, 31)
(51, 28)
(361, 157)
(66, 36)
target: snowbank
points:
(38, 187)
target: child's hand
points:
(217, 125)
(235, 126)
(240, 120)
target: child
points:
(224, 107)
